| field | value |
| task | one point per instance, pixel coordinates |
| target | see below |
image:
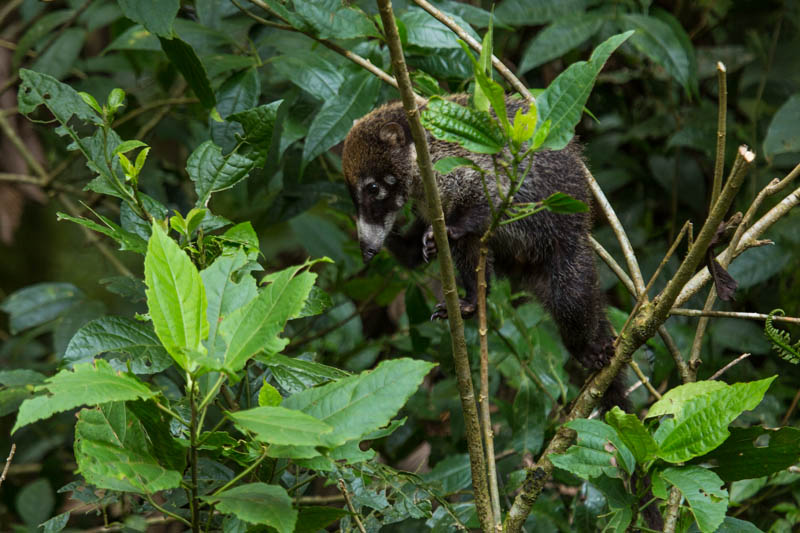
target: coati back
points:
(547, 254)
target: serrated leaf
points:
(119, 334)
(256, 326)
(279, 425)
(453, 474)
(782, 135)
(295, 374)
(330, 125)
(474, 130)
(182, 55)
(224, 291)
(113, 452)
(358, 404)
(632, 432)
(563, 100)
(657, 40)
(239, 92)
(672, 402)
(259, 126)
(40, 303)
(258, 503)
(176, 299)
(702, 489)
(560, 37)
(85, 384)
(702, 422)
(155, 15)
(742, 457)
(211, 171)
(59, 98)
(599, 450)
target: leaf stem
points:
(242, 474)
(164, 511)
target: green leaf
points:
(672, 402)
(258, 503)
(782, 134)
(59, 58)
(59, 98)
(89, 99)
(529, 420)
(526, 13)
(448, 164)
(176, 299)
(20, 377)
(128, 241)
(279, 425)
(356, 405)
(212, 172)
(355, 98)
(239, 92)
(295, 374)
(256, 326)
(167, 450)
(702, 422)
(38, 31)
(452, 474)
(599, 451)
(473, 130)
(525, 126)
(259, 126)
(126, 146)
(155, 15)
(745, 455)
(313, 518)
(85, 384)
(35, 501)
(657, 40)
(560, 37)
(563, 100)
(558, 202)
(113, 452)
(40, 303)
(333, 20)
(55, 524)
(311, 72)
(185, 59)
(702, 489)
(269, 396)
(119, 334)
(633, 434)
(425, 31)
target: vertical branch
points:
(193, 455)
(460, 357)
(483, 398)
(722, 109)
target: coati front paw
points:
(467, 310)
(429, 248)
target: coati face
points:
(374, 161)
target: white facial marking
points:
(389, 179)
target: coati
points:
(547, 253)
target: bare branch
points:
(732, 314)
(722, 370)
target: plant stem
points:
(165, 512)
(195, 501)
(8, 462)
(243, 473)
(460, 357)
(353, 513)
(722, 107)
(679, 311)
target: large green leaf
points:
(40, 303)
(355, 98)
(295, 374)
(239, 92)
(673, 401)
(783, 135)
(331, 19)
(452, 474)
(658, 41)
(211, 171)
(59, 98)
(119, 334)
(255, 327)
(563, 100)
(356, 405)
(258, 503)
(278, 425)
(313, 73)
(702, 489)
(744, 455)
(632, 432)
(183, 56)
(113, 452)
(85, 384)
(259, 126)
(176, 299)
(701, 424)
(155, 15)
(425, 31)
(474, 130)
(592, 456)
(526, 13)
(559, 38)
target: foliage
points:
(202, 144)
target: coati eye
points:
(372, 189)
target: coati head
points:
(378, 169)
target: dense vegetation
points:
(235, 366)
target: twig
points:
(8, 462)
(722, 370)
(791, 409)
(475, 45)
(33, 164)
(153, 105)
(644, 380)
(11, 6)
(166, 512)
(20, 178)
(673, 510)
(356, 518)
(680, 311)
(722, 108)
(460, 357)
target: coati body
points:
(547, 254)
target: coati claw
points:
(467, 310)
(428, 246)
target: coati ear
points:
(392, 133)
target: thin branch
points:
(26, 154)
(680, 311)
(154, 105)
(791, 409)
(20, 178)
(722, 370)
(8, 462)
(166, 512)
(722, 108)
(459, 345)
(353, 513)
(475, 45)
(644, 380)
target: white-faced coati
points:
(547, 253)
